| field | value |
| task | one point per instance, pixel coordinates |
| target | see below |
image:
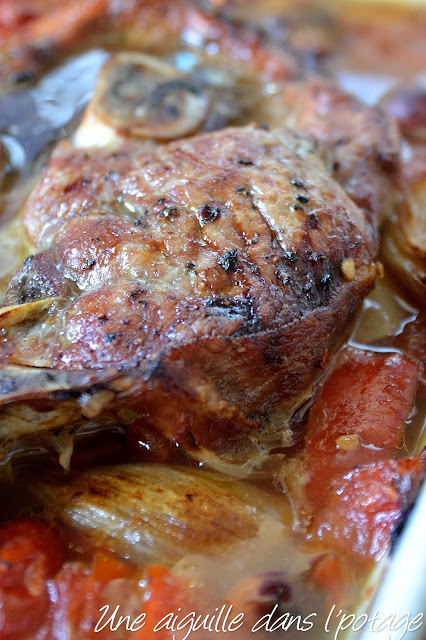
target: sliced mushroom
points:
(143, 96)
(152, 511)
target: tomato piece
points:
(358, 416)
(107, 567)
(165, 594)
(365, 507)
(30, 553)
(350, 490)
(331, 574)
(412, 341)
(80, 591)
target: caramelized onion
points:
(18, 313)
(143, 96)
(152, 511)
(404, 242)
(410, 271)
(414, 218)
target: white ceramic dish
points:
(403, 589)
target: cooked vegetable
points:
(29, 554)
(347, 492)
(358, 416)
(152, 512)
(80, 590)
(404, 237)
(405, 261)
(106, 598)
(330, 573)
(364, 508)
(18, 314)
(31, 28)
(166, 593)
(412, 341)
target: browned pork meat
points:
(362, 141)
(194, 289)
(197, 288)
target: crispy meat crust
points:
(201, 281)
(362, 141)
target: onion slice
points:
(152, 511)
(16, 314)
(404, 238)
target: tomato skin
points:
(366, 505)
(81, 591)
(350, 483)
(412, 341)
(30, 553)
(358, 416)
(42, 595)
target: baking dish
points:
(52, 122)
